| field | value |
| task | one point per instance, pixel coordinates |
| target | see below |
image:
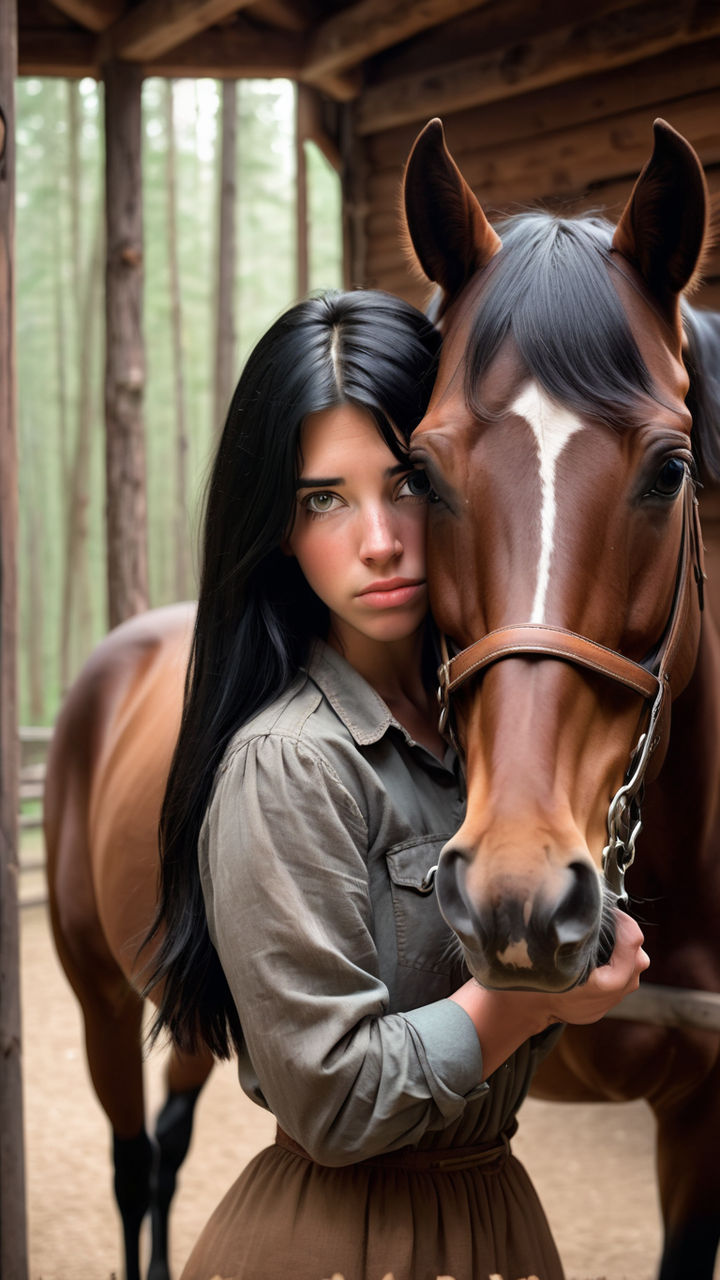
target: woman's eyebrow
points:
(322, 482)
(307, 482)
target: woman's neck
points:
(395, 671)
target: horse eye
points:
(670, 478)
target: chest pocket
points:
(424, 940)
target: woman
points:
(310, 777)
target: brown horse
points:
(565, 570)
(566, 732)
(106, 774)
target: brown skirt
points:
(467, 1213)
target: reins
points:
(538, 640)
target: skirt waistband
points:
(489, 1155)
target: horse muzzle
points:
(519, 934)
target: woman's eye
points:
(670, 478)
(319, 503)
(416, 485)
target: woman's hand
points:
(609, 984)
(504, 1020)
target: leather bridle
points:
(651, 681)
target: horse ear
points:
(448, 230)
(662, 229)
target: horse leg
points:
(113, 1031)
(185, 1077)
(688, 1132)
(112, 1013)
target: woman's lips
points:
(393, 592)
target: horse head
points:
(564, 550)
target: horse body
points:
(676, 895)
(558, 442)
(106, 775)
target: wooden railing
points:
(34, 740)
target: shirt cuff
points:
(450, 1052)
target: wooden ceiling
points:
(396, 56)
(323, 43)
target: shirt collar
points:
(357, 704)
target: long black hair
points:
(256, 615)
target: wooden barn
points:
(543, 102)
(548, 102)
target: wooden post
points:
(13, 1229)
(354, 200)
(302, 257)
(125, 351)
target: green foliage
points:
(53, 344)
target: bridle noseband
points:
(651, 682)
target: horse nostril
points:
(452, 896)
(578, 908)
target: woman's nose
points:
(380, 538)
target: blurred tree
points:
(180, 521)
(225, 337)
(60, 327)
(85, 294)
(125, 367)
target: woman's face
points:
(359, 531)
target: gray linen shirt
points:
(324, 821)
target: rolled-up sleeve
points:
(286, 887)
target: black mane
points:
(702, 360)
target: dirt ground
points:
(593, 1166)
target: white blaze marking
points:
(552, 427)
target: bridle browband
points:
(652, 685)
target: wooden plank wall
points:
(575, 144)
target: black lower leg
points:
(172, 1139)
(132, 1161)
(691, 1251)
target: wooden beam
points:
(291, 15)
(353, 153)
(313, 128)
(342, 88)
(13, 1224)
(569, 52)
(96, 15)
(217, 55)
(231, 55)
(370, 26)
(155, 26)
(71, 54)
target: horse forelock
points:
(551, 292)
